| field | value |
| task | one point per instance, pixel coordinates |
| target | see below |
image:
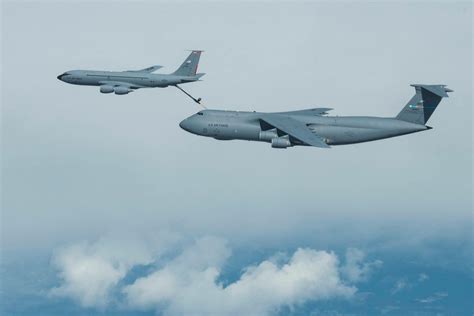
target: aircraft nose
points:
(60, 77)
(185, 124)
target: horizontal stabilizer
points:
(199, 75)
(439, 90)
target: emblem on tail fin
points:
(422, 105)
(189, 66)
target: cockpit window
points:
(200, 113)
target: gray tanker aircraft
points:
(312, 128)
(125, 82)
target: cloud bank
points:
(90, 271)
(188, 281)
(355, 268)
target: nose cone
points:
(185, 124)
(60, 77)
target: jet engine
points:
(122, 90)
(281, 142)
(106, 89)
(268, 135)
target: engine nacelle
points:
(106, 89)
(281, 142)
(122, 90)
(268, 135)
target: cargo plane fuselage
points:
(312, 127)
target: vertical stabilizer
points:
(422, 105)
(190, 65)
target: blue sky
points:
(108, 207)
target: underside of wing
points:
(314, 111)
(294, 129)
(119, 88)
(121, 84)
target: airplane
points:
(124, 82)
(311, 127)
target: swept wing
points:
(148, 69)
(295, 129)
(314, 111)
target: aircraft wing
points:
(295, 129)
(314, 111)
(120, 84)
(148, 70)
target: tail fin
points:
(419, 109)
(190, 65)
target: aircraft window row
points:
(200, 113)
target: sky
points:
(108, 207)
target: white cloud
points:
(189, 284)
(400, 285)
(196, 265)
(403, 283)
(355, 269)
(187, 287)
(423, 277)
(389, 309)
(433, 298)
(89, 271)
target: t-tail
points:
(420, 108)
(189, 66)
